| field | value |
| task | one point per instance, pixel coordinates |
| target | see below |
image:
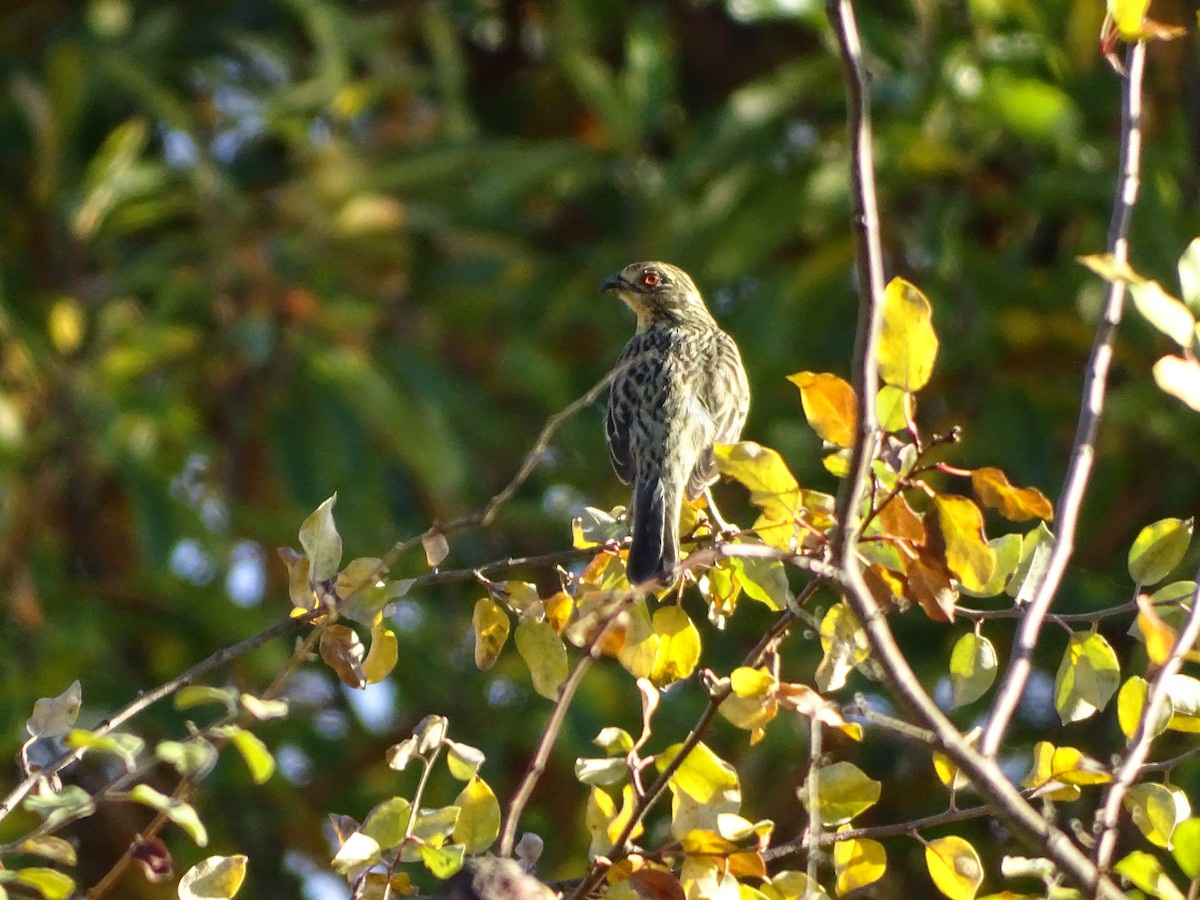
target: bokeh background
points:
(253, 252)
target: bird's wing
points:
(726, 398)
(616, 429)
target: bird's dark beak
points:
(616, 283)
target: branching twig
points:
(1139, 746)
(659, 787)
(1084, 451)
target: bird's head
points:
(657, 292)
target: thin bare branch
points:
(1084, 451)
(1139, 747)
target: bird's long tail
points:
(654, 549)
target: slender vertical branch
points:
(864, 374)
(814, 804)
(1083, 452)
(1139, 746)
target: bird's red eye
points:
(651, 279)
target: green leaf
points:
(703, 775)
(1147, 874)
(195, 756)
(973, 668)
(442, 861)
(544, 652)
(1155, 810)
(1186, 846)
(764, 580)
(126, 747)
(462, 760)
(478, 821)
(1158, 549)
(199, 694)
(182, 814)
(908, 345)
(1036, 547)
(215, 878)
(71, 803)
(50, 847)
(843, 791)
(1088, 676)
(258, 758)
(387, 822)
(321, 542)
(52, 884)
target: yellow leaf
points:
(993, 489)
(960, 526)
(703, 776)
(1131, 700)
(829, 405)
(678, 648)
(490, 624)
(1163, 311)
(1158, 635)
(383, 655)
(857, 863)
(894, 408)
(772, 487)
(845, 646)
(478, 821)
(1146, 873)
(907, 343)
(955, 867)
(605, 822)
(544, 653)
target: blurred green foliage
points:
(255, 252)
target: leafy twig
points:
(1083, 452)
(987, 777)
(1139, 746)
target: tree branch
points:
(1084, 451)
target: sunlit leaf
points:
(893, 408)
(321, 542)
(993, 489)
(442, 861)
(1008, 557)
(1186, 847)
(1088, 676)
(789, 885)
(1180, 378)
(1147, 874)
(844, 644)
(843, 791)
(545, 655)
(387, 824)
(1158, 549)
(490, 624)
(127, 747)
(462, 760)
(1036, 546)
(973, 668)
(1163, 311)
(1158, 636)
(478, 822)
(50, 883)
(1155, 810)
(50, 847)
(857, 863)
(968, 555)
(182, 814)
(907, 343)
(383, 655)
(437, 548)
(254, 752)
(928, 585)
(356, 852)
(678, 648)
(829, 405)
(954, 866)
(772, 487)
(56, 809)
(199, 694)
(1131, 700)
(1189, 276)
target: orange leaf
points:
(829, 405)
(993, 489)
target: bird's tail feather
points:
(654, 549)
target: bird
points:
(679, 388)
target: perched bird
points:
(680, 388)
